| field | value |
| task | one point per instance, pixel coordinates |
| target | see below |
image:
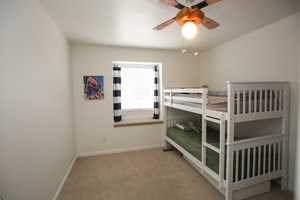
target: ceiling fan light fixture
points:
(189, 30)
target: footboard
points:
(257, 160)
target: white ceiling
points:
(130, 22)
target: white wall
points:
(264, 55)
(94, 119)
(36, 137)
(297, 171)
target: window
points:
(137, 87)
(136, 91)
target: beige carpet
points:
(142, 175)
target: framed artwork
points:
(93, 87)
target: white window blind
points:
(137, 86)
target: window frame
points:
(129, 113)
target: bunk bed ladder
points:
(221, 150)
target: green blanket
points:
(192, 142)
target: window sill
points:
(138, 122)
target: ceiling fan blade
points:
(164, 24)
(212, 1)
(173, 3)
(170, 2)
(209, 23)
(205, 3)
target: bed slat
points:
(266, 100)
(248, 163)
(279, 156)
(250, 102)
(255, 102)
(271, 101)
(243, 164)
(244, 102)
(265, 156)
(237, 166)
(274, 156)
(259, 160)
(254, 161)
(260, 100)
(276, 100)
(269, 159)
(238, 103)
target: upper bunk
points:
(241, 102)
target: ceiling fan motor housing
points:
(189, 14)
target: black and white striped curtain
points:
(156, 93)
(117, 93)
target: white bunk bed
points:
(250, 163)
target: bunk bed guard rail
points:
(257, 100)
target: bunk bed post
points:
(222, 150)
(204, 125)
(164, 142)
(284, 131)
(230, 140)
(166, 146)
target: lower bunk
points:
(191, 141)
(256, 161)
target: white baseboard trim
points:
(97, 153)
(65, 178)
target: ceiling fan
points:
(189, 16)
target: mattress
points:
(217, 101)
(191, 95)
(195, 105)
(218, 107)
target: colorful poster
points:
(93, 87)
